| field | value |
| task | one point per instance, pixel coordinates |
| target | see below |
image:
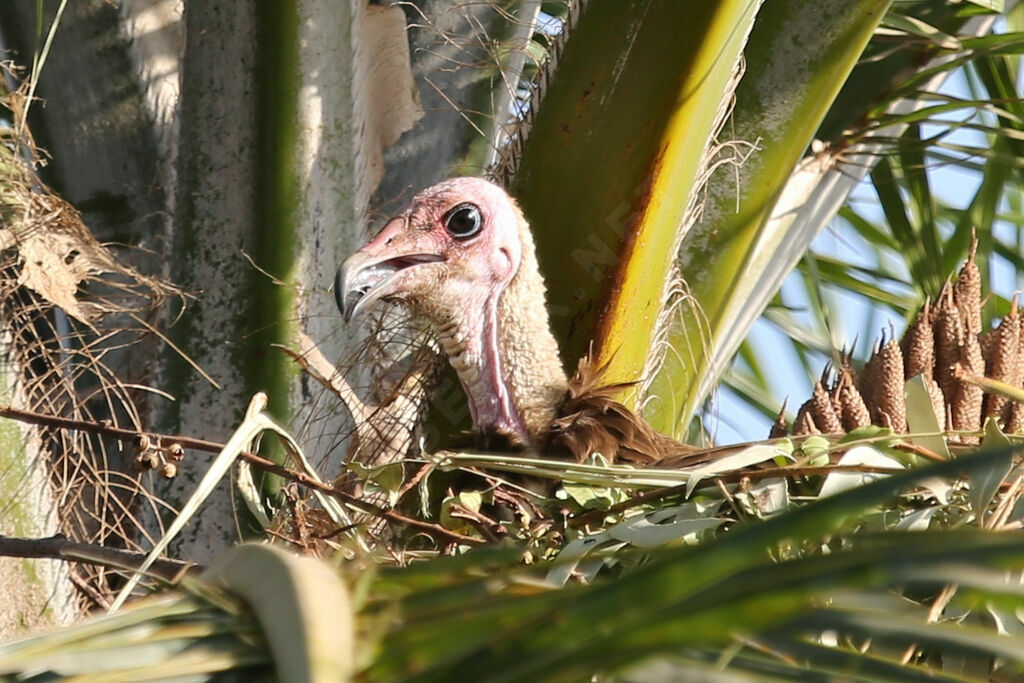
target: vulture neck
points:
(510, 369)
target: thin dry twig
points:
(435, 530)
(60, 548)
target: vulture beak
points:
(364, 278)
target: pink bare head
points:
(460, 256)
(452, 245)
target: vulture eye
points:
(463, 221)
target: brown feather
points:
(591, 420)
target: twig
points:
(106, 429)
(595, 515)
(729, 498)
(121, 434)
(485, 525)
(992, 386)
(60, 548)
(917, 449)
(90, 592)
(319, 368)
(415, 479)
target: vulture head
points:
(460, 257)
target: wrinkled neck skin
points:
(509, 367)
(481, 369)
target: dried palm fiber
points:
(387, 427)
(69, 309)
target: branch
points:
(437, 531)
(60, 548)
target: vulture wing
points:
(591, 420)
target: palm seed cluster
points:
(946, 346)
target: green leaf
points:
(759, 216)
(986, 482)
(916, 27)
(658, 528)
(701, 593)
(387, 479)
(921, 418)
(858, 455)
(993, 5)
(302, 606)
(630, 133)
(751, 455)
(815, 449)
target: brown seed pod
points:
(869, 378)
(967, 404)
(853, 413)
(1016, 410)
(1003, 360)
(948, 339)
(918, 346)
(168, 470)
(176, 451)
(147, 460)
(968, 293)
(891, 399)
(825, 417)
(1015, 418)
(986, 340)
(804, 423)
(944, 340)
(833, 395)
(780, 427)
(938, 404)
(141, 442)
(1020, 354)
